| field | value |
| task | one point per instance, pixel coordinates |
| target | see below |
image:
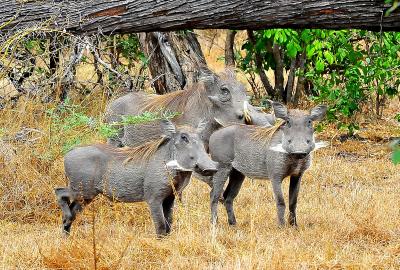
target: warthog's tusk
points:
(321, 144)
(220, 122)
(246, 112)
(174, 165)
(278, 148)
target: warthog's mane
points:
(194, 97)
(139, 153)
(178, 101)
(265, 134)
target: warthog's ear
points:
(167, 127)
(318, 112)
(201, 126)
(208, 78)
(280, 110)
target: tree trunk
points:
(229, 53)
(121, 16)
(175, 59)
(300, 88)
(279, 67)
(260, 69)
(290, 81)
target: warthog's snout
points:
(206, 168)
(299, 155)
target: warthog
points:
(264, 152)
(254, 116)
(152, 172)
(217, 99)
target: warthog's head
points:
(298, 131)
(187, 150)
(227, 96)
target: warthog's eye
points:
(309, 123)
(287, 123)
(225, 94)
(185, 138)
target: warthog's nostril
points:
(300, 155)
(240, 116)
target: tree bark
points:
(300, 88)
(290, 81)
(279, 67)
(122, 16)
(229, 53)
(175, 59)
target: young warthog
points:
(144, 173)
(264, 152)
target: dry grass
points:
(348, 212)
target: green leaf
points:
(306, 35)
(291, 49)
(329, 57)
(267, 33)
(396, 156)
(319, 65)
(310, 51)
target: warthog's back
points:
(135, 135)
(128, 104)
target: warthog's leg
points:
(235, 183)
(280, 201)
(63, 199)
(157, 214)
(69, 206)
(294, 188)
(168, 205)
(77, 207)
(219, 180)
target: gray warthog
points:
(144, 173)
(217, 99)
(264, 152)
(255, 116)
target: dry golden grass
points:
(348, 211)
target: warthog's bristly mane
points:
(178, 101)
(138, 153)
(265, 134)
(141, 152)
(195, 96)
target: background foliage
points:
(351, 70)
